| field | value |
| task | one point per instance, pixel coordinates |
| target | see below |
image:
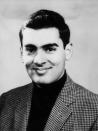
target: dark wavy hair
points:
(47, 19)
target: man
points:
(52, 102)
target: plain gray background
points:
(82, 18)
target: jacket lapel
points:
(62, 109)
(23, 109)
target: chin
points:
(45, 79)
(41, 80)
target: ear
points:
(68, 51)
(21, 53)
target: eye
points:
(50, 49)
(31, 49)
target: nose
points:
(39, 58)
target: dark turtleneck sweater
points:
(43, 99)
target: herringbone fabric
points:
(76, 109)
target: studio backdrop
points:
(82, 18)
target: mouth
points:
(41, 70)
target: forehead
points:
(41, 36)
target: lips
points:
(41, 70)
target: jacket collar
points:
(62, 108)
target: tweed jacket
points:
(76, 109)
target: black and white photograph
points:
(48, 65)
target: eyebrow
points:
(50, 45)
(29, 45)
(43, 46)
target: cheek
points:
(57, 59)
(27, 59)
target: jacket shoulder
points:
(18, 90)
(86, 99)
(14, 96)
(84, 92)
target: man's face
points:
(43, 55)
